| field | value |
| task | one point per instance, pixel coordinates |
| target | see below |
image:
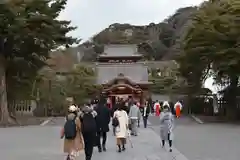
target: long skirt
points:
(178, 112)
(121, 141)
(157, 113)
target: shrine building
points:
(122, 74)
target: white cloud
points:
(91, 16)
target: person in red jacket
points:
(157, 108)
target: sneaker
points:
(99, 149)
(170, 150)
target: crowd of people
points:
(87, 127)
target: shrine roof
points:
(135, 72)
(119, 50)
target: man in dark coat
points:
(145, 113)
(103, 119)
(89, 128)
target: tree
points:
(166, 83)
(91, 51)
(212, 42)
(54, 88)
(80, 83)
(155, 41)
(29, 31)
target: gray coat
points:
(166, 125)
(134, 112)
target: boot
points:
(123, 148)
(119, 149)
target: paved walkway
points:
(146, 146)
(43, 143)
(31, 143)
(204, 141)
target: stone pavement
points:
(31, 143)
(204, 141)
(43, 143)
(146, 146)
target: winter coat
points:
(122, 128)
(89, 110)
(134, 112)
(166, 125)
(103, 118)
(76, 144)
(145, 111)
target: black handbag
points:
(115, 122)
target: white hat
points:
(72, 108)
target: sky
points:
(92, 16)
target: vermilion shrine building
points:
(121, 73)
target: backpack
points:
(70, 129)
(115, 122)
(88, 123)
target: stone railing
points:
(22, 107)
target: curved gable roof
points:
(122, 85)
(133, 72)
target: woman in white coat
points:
(166, 125)
(122, 128)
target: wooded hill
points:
(155, 41)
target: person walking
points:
(109, 103)
(103, 119)
(178, 108)
(145, 114)
(120, 119)
(166, 125)
(157, 108)
(114, 108)
(134, 115)
(73, 141)
(139, 106)
(89, 129)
